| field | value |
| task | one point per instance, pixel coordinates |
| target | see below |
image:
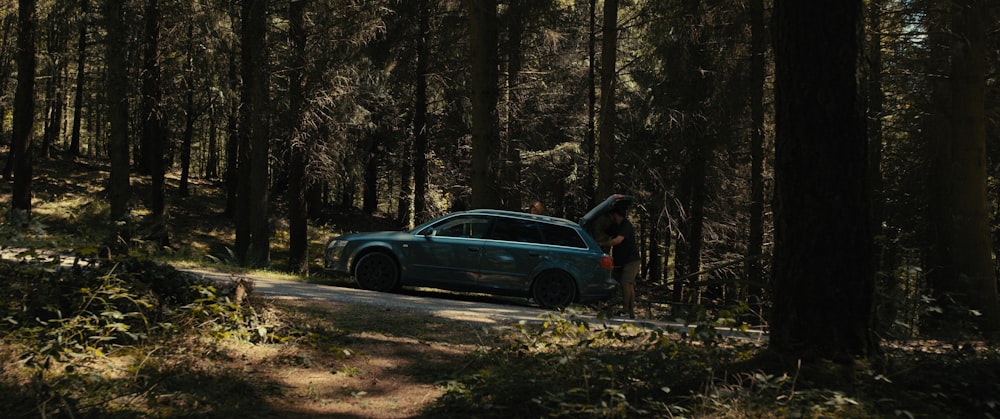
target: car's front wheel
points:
(377, 271)
(554, 289)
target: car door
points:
(511, 255)
(447, 254)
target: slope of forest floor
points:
(166, 351)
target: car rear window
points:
(562, 236)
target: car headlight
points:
(334, 249)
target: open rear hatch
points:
(596, 221)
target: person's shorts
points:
(627, 273)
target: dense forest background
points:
(410, 109)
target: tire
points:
(377, 271)
(554, 289)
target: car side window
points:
(468, 227)
(516, 230)
(562, 236)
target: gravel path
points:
(485, 313)
(473, 311)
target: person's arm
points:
(613, 241)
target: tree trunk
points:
(190, 114)
(484, 36)
(117, 96)
(885, 263)
(510, 158)
(232, 141)
(823, 279)
(590, 146)
(755, 244)
(55, 41)
(606, 133)
(298, 210)
(969, 266)
(212, 165)
(692, 198)
(369, 201)
(81, 60)
(24, 111)
(53, 106)
(420, 116)
(695, 87)
(152, 125)
(6, 48)
(252, 224)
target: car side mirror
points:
(430, 232)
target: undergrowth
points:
(60, 325)
(564, 367)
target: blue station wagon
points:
(551, 260)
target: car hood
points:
(375, 235)
(591, 220)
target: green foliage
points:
(566, 368)
(62, 320)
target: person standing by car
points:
(621, 238)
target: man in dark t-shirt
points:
(621, 235)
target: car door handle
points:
(473, 249)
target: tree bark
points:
(886, 260)
(369, 200)
(755, 244)
(692, 223)
(117, 96)
(420, 116)
(968, 268)
(232, 175)
(298, 209)
(53, 101)
(81, 60)
(152, 125)
(24, 111)
(212, 163)
(7, 36)
(510, 150)
(190, 114)
(252, 224)
(484, 36)
(823, 276)
(591, 141)
(606, 132)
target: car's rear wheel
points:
(377, 271)
(554, 289)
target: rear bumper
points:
(599, 291)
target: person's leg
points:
(629, 272)
(628, 288)
(608, 306)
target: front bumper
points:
(334, 258)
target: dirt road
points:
(446, 306)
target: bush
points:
(61, 320)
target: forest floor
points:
(370, 363)
(354, 361)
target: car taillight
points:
(607, 262)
